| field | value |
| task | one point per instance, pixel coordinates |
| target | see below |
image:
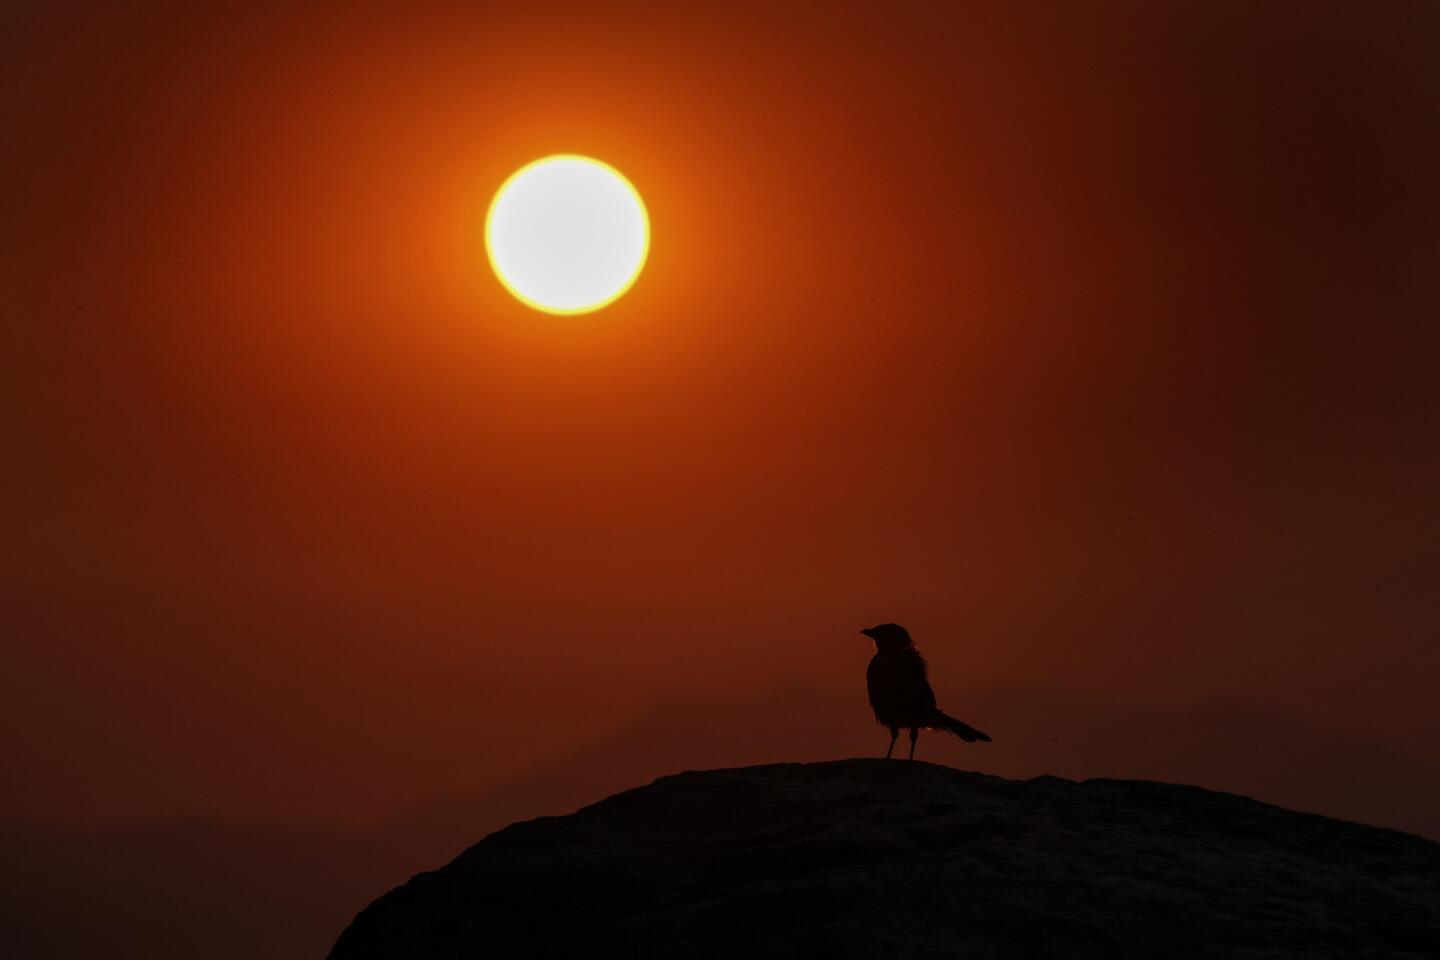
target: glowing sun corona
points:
(567, 234)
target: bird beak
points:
(869, 632)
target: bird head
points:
(888, 636)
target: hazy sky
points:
(1094, 343)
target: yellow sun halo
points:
(567, 234)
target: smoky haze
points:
(1095, 347)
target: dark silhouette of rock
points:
(864, 858)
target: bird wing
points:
(900, 694)
(918, 683)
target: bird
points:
(899, 692)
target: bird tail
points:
(964, 731)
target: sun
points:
(567, 234)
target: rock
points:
(873, 858)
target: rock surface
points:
(868, 858)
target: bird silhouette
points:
(900, 694)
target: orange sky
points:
(1097, 347)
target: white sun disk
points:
(567, 234)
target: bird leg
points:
(894, 733)
(914, 735)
